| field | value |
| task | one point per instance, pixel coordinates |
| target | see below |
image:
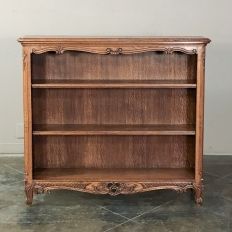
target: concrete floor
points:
(152, 211)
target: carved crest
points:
(114, 52)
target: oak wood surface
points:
(75, 83)
(89, 129)
(113, 109)
(113, 106)
(118, 174)
(94, 40)
(112, 151)
(199, 124)
(87, 66)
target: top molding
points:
(37, 40)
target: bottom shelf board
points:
(117, 174)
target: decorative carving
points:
(114, 188)
(57, 50)
(111, 188)
(29, 189)
(171, 50)
(198, 194)
(114, 52)
(117, 51)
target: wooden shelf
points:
(72, 83)
(89, 129)
(115, 174)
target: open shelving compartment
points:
(126, 117)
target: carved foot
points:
(29, 193)
(198, 195)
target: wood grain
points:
(113, 151)
(87, 66)
(27, 101)
(104, 41)
(89, 129)
(119, 174)
(104, 84)
(199, 124)
(105, 115)
(114, 106)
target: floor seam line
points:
(227, 199)
(209, 173)
(120, 224)
(115, 213)
(8, 166)
(153, 209)
(227, 175)
(11, 184)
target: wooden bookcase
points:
(113, 115)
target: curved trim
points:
(111, 188)
(112, 51)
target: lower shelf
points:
(117, 174)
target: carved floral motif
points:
(177, 49)
(111, 188)
(113, 51)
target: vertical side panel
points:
(199, 116)
(27, 115)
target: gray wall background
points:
(119, 17)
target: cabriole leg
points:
(198, 195)
(29, 193)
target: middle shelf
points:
(112, 129)
(104, 84)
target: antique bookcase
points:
(113, 115)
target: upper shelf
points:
(72, 83)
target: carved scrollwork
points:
(111, 188)
(111, 51)
(171, 50)
(117, 51)
(57, 50)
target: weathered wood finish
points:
(199, 124)
(113, 129)
(107, 151)
(139, 66)
(114, 106)
(27, 123)
(110, 84)
(129, 174)
(113, 115)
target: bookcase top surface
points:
(125, 39)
